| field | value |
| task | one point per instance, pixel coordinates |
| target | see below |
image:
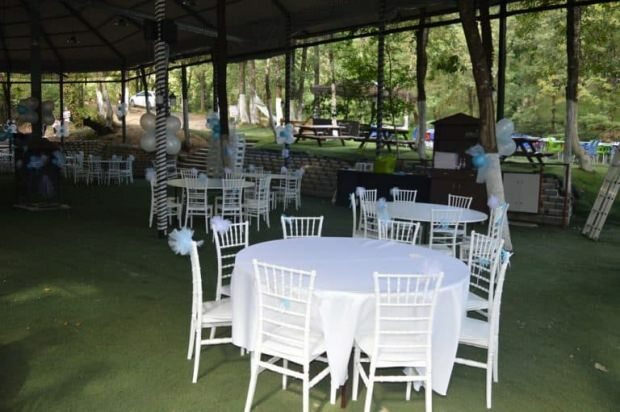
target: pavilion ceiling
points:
(101, 35)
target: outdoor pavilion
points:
(60, 36)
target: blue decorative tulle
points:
(180, 241)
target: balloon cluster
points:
(503, 132)
(63, 131)
(8, 130)
(148, 143)
(27, 110)
(213, 123)
(284, 134)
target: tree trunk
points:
(268, 96)
(202, 84)
(332, 80)
(243, 104)
(253, 111)
(484, 89)
(277, 73)
(573, 31)
(220, 66)
(100, 103)
(421, 66)
(302, 78)
(317, 81)
(109, 113)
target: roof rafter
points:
(192, 13)
(96, 32)
(46, 37)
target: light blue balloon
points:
(479, 161)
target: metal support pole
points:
(288, 84)
(145, 87)
(185, 106)
(161, 67)
(501, 64)
(35, 63)
(214, 85)
(61, 92)
(7, 96)
(124, 102)
(220, 63)
(380, 75)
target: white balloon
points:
(506, 148)
(173, 124)
(147, 121)
(148, 142)
(504, 130)
(173, 145)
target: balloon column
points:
(213, 123)
(285, 135)
(503, 133)
(148, 143)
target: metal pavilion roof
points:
(100, 35)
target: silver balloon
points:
(173, 145)
(148, 142)
(147, 122)
(506, 148)
(504, 130)
(173, 124)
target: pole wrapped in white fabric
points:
(161, 67)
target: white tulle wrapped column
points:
(161, 66)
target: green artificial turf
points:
(95, 316)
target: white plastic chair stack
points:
(230, 205)
(257, 206)
(292, 189)
(484, 334)
(196, 203)
(483, 261)
(399, 231)
(301, 226)
(364, 166)
(126, 170)
(95, 170)
(205, 315)
(404, 310)
(114, 171)
(495, 229)
(80, 173)
(284, 303)
(227, 244)
(444, 227)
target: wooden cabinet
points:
(458, 182)
(456, 134)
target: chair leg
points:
(428, 393)
(489, 379)
(192, 336)
(197, 353)
(306, 389)
(496, 363)
(369, 388)
(284, 376)
(267, 217)
(356, 373)
(408, 391)
(212, 333)
(253, 379)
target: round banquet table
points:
(421, 212)
(343, 301)
(213, 183)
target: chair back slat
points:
(227, 245)
(301, 226)
(444, 228)
(483, 263)
(399, 231)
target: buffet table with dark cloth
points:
(348, 180)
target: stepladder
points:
(604, 201)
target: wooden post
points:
(380, 75)
(145, 88)
(220, 65)
(288, 66)
(124, 101)
(7, 95)
(185, 106)
(214, 104)
(501, 62)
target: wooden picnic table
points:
(526, 148)
(320, 133)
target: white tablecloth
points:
(422, 212)
(344, 297)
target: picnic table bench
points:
(527, 149)
(321, 133)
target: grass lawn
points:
(95, 317)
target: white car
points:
(139, 99)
